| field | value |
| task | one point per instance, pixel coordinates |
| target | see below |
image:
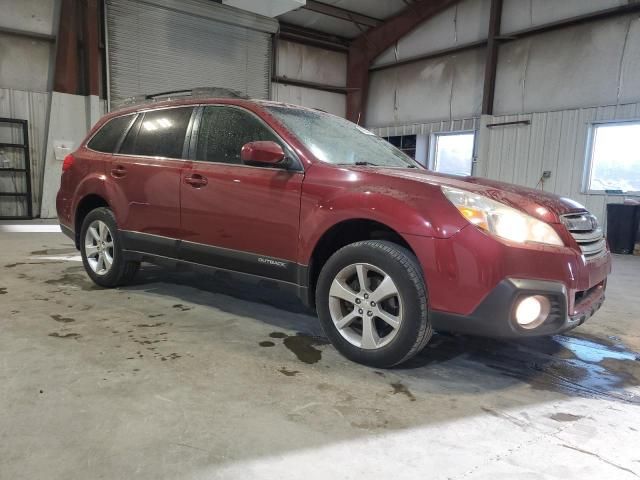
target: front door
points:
(236, 216)
(146, 173)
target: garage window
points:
(406, 143)
(614, 158)
(452, 153)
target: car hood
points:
(543, 205)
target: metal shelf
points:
(12, 145)
(27, 196)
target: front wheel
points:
(101, 250)
(372, 303)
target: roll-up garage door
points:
(162, 45)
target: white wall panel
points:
(71, 117)
(522, 14)
(554, 141)
(25, 63)
(429, 90)
(311, 64)
(334, 103)
(36, 16)
(465, 22)
(587, 65)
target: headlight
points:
(501, 220)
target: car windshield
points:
(341, 142)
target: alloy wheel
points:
(365, 306)
(99, 247)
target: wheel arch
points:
(86, 204)
(341, 234)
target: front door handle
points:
(196, 180)
(118, 172)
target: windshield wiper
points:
(360, 164)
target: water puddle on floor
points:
(576, 364)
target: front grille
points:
(585, 230)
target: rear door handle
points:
(118, 172)
(196, 180)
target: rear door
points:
(145, 175)
(236, 216)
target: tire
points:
(349, 324)
(109, 245)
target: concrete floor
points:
(194, 377)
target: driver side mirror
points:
(262, 152)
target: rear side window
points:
(158, 133)
(109, 134)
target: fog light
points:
(531, 312)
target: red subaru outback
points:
(384, 250)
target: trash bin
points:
(622, 227)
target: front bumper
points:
(494, 317)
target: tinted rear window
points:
(160, 133)
(107, 137)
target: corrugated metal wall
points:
(311, 64)
(555, 141)
(31, 106)
(444, 126)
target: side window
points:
(224, 130)
(109, 134)
(158, 133)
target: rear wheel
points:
(101, 250)
(372, 303)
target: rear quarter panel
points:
(86, 177)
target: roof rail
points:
(215, 92)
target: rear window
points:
(109, 134)
(159, 133)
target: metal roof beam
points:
(314, 38)
(341, 13)
(370, 44)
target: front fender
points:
(407, 209)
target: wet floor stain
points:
(181, 307)
(64, 335)
(61, 319)
(288, 373)
(575, 365)
(75, 280)
(172, 356)
(399, 387)
(55, 251)
(3, 290)
(565, 417)
(13, 265)
(303, 347)
(150, 325)
(155, 315)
